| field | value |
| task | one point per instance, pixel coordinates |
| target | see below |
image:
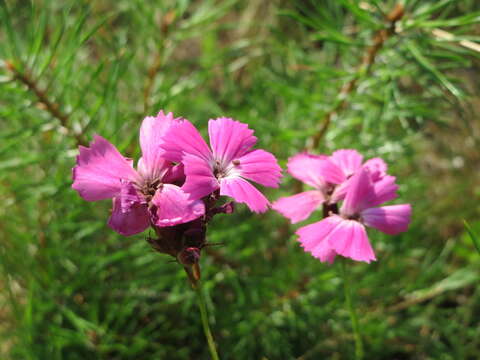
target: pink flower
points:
(226, 166)
(139, 196)
(306, 168)
(342, 164)
(344, 234)
(329, 176)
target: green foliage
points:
(73, 289)
(473, 236)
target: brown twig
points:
(51, 107)
(378, 40)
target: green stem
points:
(206, 327)
(351, 309)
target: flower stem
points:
(351, 309)
(204, 316)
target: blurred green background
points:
(71, 288)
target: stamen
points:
(148, 189)
(221, 170)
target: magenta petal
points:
(299, 207)
(348, 160)
(244, 192)
(385, 190)
(350, 240)
(391, 219)
(340, 191)
(99, 171)
(183, 138)
(200, 180)
(173, 206)
(360, 193)
(313, 238)
(229, 139)
(377, 168)
(133, 221)
(260, 166)
(175, 175)
(307, 168)
(129, 197)
(331, 172)
(151, 132)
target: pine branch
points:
(378, 40)
(50, 106)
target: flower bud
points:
(189, 256)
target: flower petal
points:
(307, 168)
(183, 138)
(360, 193)
(173, 206)
(340, 191)
(229, 139)
(244, 192)
(99, 171)
(129, 197)
(377, 168)
(175, 175)
(133, 221)
(199, 181)
(151, 132)
(313, 238)
(260, 166)
(299, 207)
(348, 160)
(391, 219)
(385, 190)
(350, 240)
(331, 172)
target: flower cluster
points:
(359, 188)
(177, 181)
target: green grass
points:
(71, 288)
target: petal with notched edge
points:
(229, 139)
(183, 138)
(299, 207)
(348, 160)
(350, 240)
(261, 167)
(313, 238)
(307, 168)
(100, 170)
(244, 192)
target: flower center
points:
(329, 189)
(221, 170)
(149, 188)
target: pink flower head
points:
(329, 175)
(306, 168)
(226, 165)
(139, 196)
(344, 233)
(342, 164)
